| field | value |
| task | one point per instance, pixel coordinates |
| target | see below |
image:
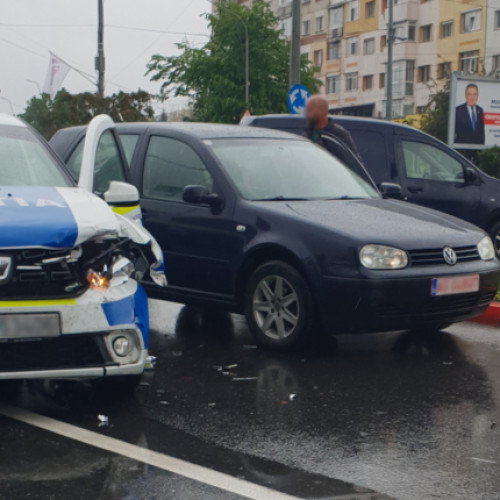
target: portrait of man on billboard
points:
(469, 121)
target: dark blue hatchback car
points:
(267, 224)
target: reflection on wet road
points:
(412, 417)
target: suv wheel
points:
(279, 306)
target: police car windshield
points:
(24, 161)
(285, 169)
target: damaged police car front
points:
(71, 305)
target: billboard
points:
(474, 120)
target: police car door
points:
(104, 169)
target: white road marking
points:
(165, 462)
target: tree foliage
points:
(488, 160)
(49, 115)
(435, 120)
(213, 76)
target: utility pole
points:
(99, 60)
(295, 46)
(390, 42)
(247, 65)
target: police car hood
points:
(52, 217)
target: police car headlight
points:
(382, 257)
(486, 249)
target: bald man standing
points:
(318, 125)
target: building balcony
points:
(336, 3)
(335, 33)
(284, 11)
(406, 11)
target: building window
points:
(351, 82)
(305, 27)
(336, 17)
(411, 33)
(369, 46)
(319, 24)
(446, 29)
(444, 70)
(353, 12)
(469, 62)
(471, 21)
(368, 82)
(495, 63)
(424, 73)
(333, 50)
(381, 81)
(370, 9)
(426, 33)
(332, 84)
(383, 42)
(352, 46)
(497, 20)
(403, 76)
(318, 58)
(410, 77)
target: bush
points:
(488, 160)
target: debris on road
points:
(244, 379)
(447, 363)
(164, 403)
(248, 346)
(230, 367)
(493, 425)
(150, 363)
(211, 405)
(103, 420)
(292, 397)
(483, 460)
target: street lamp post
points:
(10, 104)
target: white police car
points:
(71, 305)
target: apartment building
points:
(347, 41)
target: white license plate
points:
(20, 326)
(454, 285)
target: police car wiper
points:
(347, 197)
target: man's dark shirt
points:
(337, 132)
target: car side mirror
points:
(470, 175)
(199, 195)
(121, 193)
(391, 190)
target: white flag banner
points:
(56, 74)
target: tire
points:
(495, 237)
(274, 322)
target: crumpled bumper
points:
(88, 326)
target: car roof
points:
(338, 118)
(6, 119)
(206, 130)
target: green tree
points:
(213, 76)
(488, 160)
(49, 115)
(435, 120)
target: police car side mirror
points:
(470, 175)
(121, 193)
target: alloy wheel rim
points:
(276, 307)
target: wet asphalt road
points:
(403, 416)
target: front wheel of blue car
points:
(279, 306)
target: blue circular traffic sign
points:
(297, 98)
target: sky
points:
(134, 30)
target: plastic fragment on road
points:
(177, 354)
(230, 367)
(447, 363)
(103, 420)
(211, 405)
(483, 460)
(292, 397)
(249, 346)
(150, 363)
(244, 379)
(164, 403)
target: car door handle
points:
(415, 189)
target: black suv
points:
(429, 172)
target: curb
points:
(491, 316)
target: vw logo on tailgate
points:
(5, 268)
(450, 257)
